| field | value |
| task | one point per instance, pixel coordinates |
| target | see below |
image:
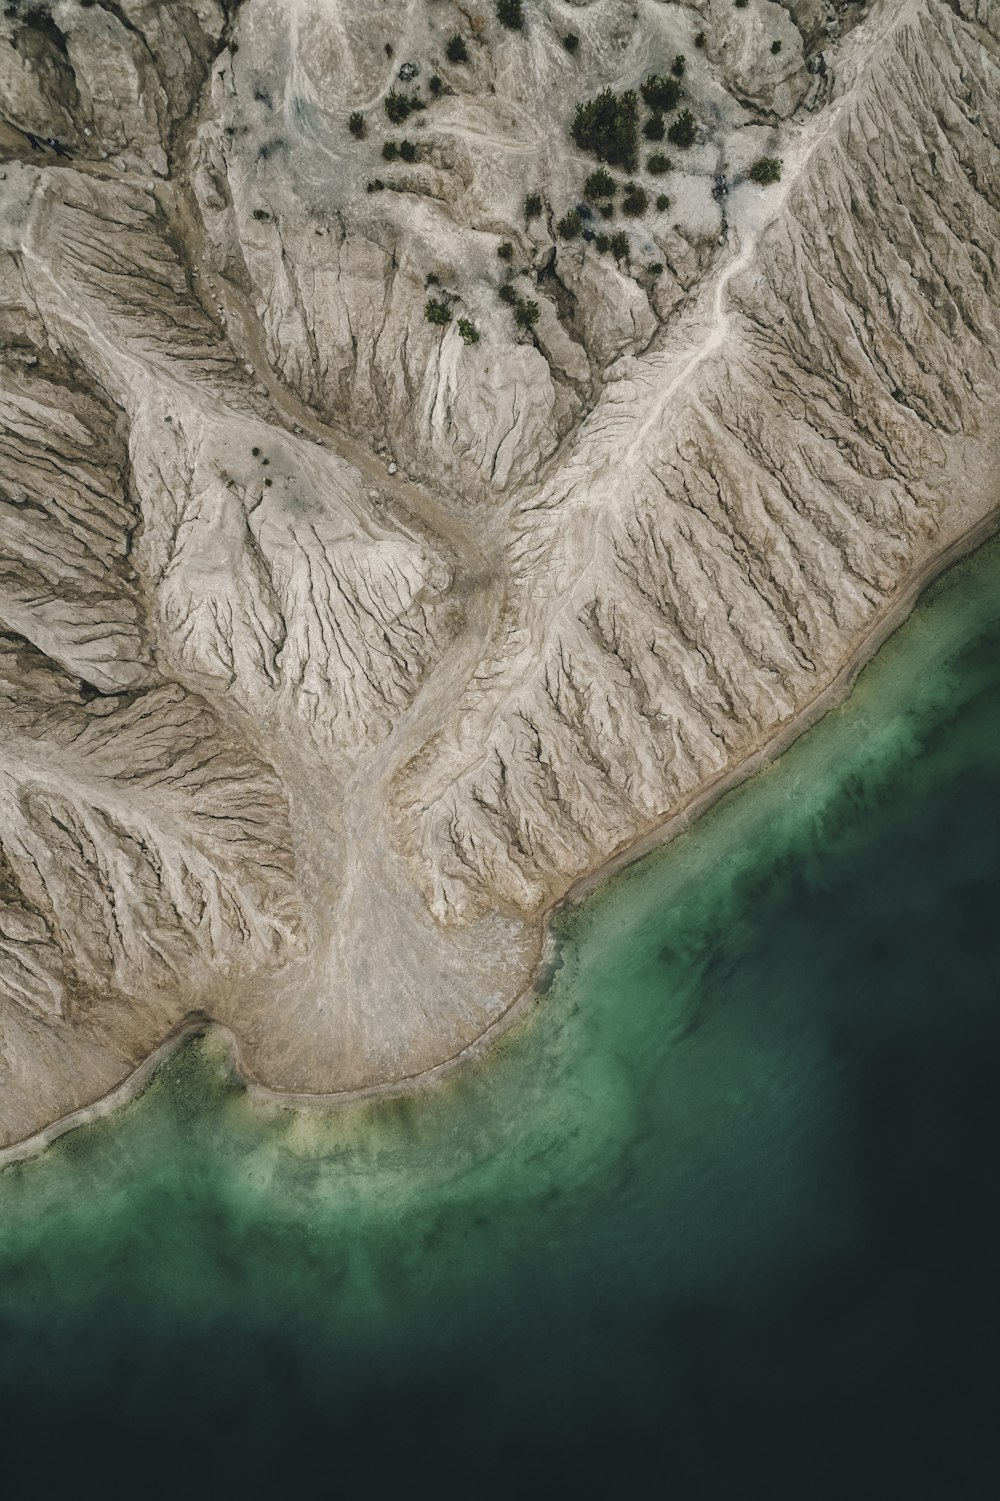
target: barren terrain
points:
(340, 638)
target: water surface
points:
(716, 1219)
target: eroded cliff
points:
(338, 635)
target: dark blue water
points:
(717, 1219)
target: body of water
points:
(716, 1219)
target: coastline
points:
(828, 698)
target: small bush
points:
(255, 452)
(456, 50)
(510, 13)
(532, 206)
(399, 106)
(654, 128)
(432, 280)
(660, 93)
(766, 169)
(607, 210)
(525, 313)
(658, 164)
(356, 125)
(376, 186)
(656, 269)
(683, 130)
(602, 243)
(434, 84)
(662, 202)
(408, 151)
(620, 246)
(388, 49)
(569, 225)
(571, 42)
(741, 4)
(678, 65)
(507, 294)
(437, 312)
(505, 251)
(608, 126)
(469, 331)
(599, 184)
(635, 200)
(776, 47)
(389, 151)
(699, 40)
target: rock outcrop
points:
(336, 643)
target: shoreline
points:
(198, 1023)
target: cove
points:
(715, 1218)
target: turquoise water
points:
(715, 1219)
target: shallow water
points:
(715, 1219)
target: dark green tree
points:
(635, 200)
(356, 125)
(660, 93)
(766, 169)
(683, 130)
(437, 312)
(608, 127)
(599, 184)
(510, 13)
(456, 50)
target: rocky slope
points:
(334, 643)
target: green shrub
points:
(510, 13)
(660, 93)
(678, 65)
(570, 225)
(620, 246)
(376, 186)
(682, 132)
(525, 313)
(606, 210)
(741, 4)
(775, 47)
(505, 251)
(571, 42)
(399, 106)
(356, 125)
(658, 164)
(699, 40)
(607, 126)
(434, 84)
(469, 331)
(599, 184)
(455, 49)
(603, 243)
(437, 312)
(408, 151)
(766, 169)
(532, 206)
(654, 128)
(635, 200)
(389, 151)
(506, 294)
(656, 269)
(432, 280)
(662, 202)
